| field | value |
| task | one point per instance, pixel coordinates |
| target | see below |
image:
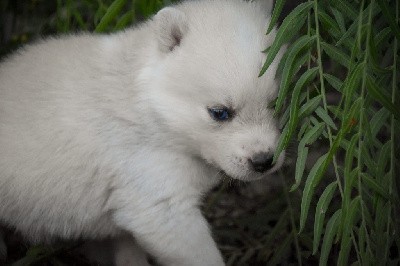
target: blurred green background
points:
(22, 21)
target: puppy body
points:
(105, 134)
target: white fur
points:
(104, 134)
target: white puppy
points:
(103, 134)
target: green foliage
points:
(351, 50)
(29, 19)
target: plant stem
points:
(292, 220)
(361, 118)
(392, 182)
(323, 93)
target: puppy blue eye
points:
(219, 113)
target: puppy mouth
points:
(251, 175)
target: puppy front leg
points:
(174, 234)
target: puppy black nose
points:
(261, 162)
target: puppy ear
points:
(171, 27)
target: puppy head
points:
(207, 89)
